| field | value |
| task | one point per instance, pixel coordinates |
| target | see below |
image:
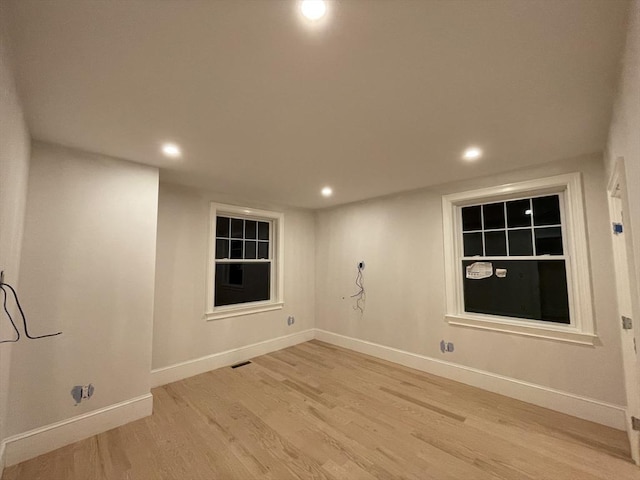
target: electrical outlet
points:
(446, 346)
(82, 392)
(291, 320)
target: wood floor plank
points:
(316, 411)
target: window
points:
(517, 259)
(499, 235)
(245, 261)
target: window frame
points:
(581, 328)
(276, 247)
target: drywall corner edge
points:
(575, 405)
(2, 452)
(24, 446)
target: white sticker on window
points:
(479, 270)
(501, 272)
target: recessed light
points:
(171, 150)
(472, 153)
(313, 9)
(326, 192)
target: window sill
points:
(241, 311)
(563, 334)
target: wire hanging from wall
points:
(360, 295)
(24, 318)
(6, 310)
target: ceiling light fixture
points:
(313, 9)
(326, 192)
(472, 153)
(171, 150)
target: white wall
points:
(87, 269)
(624, 135)
(400, 240)
(179, 331)
(14, 171)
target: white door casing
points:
(627, 302)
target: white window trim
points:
(277, 245)
(582, 327)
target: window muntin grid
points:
(525, 227)
(242, 239)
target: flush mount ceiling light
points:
(313, 9)
(472, 153)
(326, 192)
(171, 150)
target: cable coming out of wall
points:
(24, 318)
(360, 295)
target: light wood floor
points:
(318, 411)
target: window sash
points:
(532, 227)
(243, 260)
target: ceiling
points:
(377, 97)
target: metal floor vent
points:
(241, 364)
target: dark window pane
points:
(554, 295)
(263, 249)
(471, 218)
(493, 215)
(546, 210)
(237, 228)
(236, 275)
(263, 231)
(530, 289)
(236, 249)
(250, 249)
(517, 215)
(250, 229)
(222, 248)
(222, 227)
(472, 244)
(520, 242)
(549, 241)
(495, 243)
(242, 283)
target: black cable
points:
(4, 303)
(24, 319)
(361, 294)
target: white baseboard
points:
(569, 403)
(24, 446)
(179, 371)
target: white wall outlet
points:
(291, 320)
